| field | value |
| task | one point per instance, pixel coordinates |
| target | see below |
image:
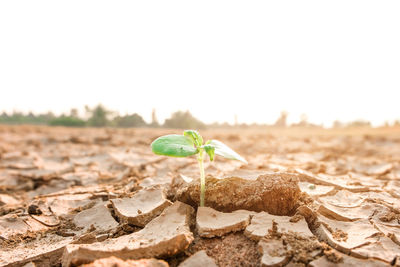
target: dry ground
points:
(349, 179)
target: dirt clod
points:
(34, 210)
(276, 194)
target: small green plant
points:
(189, 144)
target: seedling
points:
(189, 144)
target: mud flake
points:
(349, 214)
(393, 232)
(210, 222)
(46, 251)
(376, 169)
(199, 259)
(65, 204)
(273, 253)
(130, 159)
(163, 181)
(165, 235)
(262, 223)
(381, 248)
(142, 207)
(343, 198)
(315, 190)
(334, 233)
(334, 258)
(11, 225)
(8, 200)
(116, 262)
(98, 216)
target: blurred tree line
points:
(100, 116)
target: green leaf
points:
(226, 152)
(174, 145)
(210, 150)
(195, 136)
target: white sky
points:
(328, 59)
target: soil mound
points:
(277, 194)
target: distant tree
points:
(46, 117)
(20, 118)
(74, 113)
(133, 120)
(17, 117)
(282, 120)
(4, 115)
(359, 123)
(183, 120)
(98, 116)
(337, 124)
(68, 121)
(303, 120)
(154, 120)
(30, 117)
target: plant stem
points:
(200, 159)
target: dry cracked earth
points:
(99, 197)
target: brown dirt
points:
(389, 216)
(302, 250)
(17, 239)
(234, 249)
(296, 218)
(70, 170)
(64, 229)
(339, 235)
(331, 254)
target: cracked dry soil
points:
(99, 197)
